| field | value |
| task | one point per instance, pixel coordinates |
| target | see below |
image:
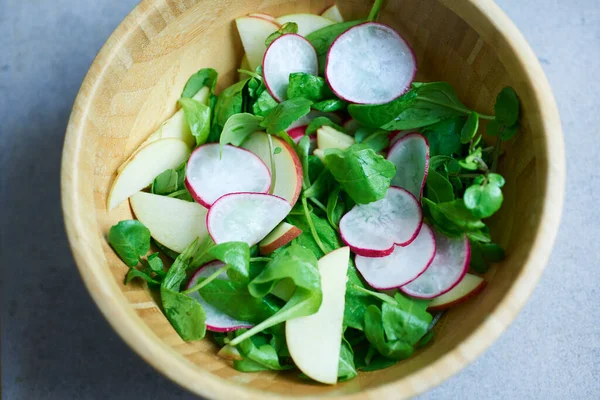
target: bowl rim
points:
(123, 319)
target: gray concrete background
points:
(55, 343)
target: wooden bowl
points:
(133, 86)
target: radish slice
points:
(448, 268)
(404, 265)
(394, 136)
(372, 229)
(245, 217)
(287, 54)
(210, 176)
(370, 63)
(216, 320)
(410, 155)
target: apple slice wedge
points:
(307, 23)
(212, 172)
(469, 286)
(245, 217)
(333, 13)
(172, 222)
(141, 169)
(288, 169)
(253, 32)
(315, 341)
(330, 138)
(280, 236)
(263, 16)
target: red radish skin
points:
(432, 283)
(401, 158)
(281, 241)
(474, 292)
(394, 136)
(275, 74)
(297, 132)
(216, 321)
(365, 239)
(403, 266)
(206, 185)
(335, 78)
(223, 226)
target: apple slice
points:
(319, 153)
(172, 222)
(216, 320)
(307, 23)
(230, 353)
(245, 217)
(253, 32)
(333, 13)
(211, 174)
(245, 65)
(263, 16)
(410, 155)
(448, 268)
(469, 286)
(288, 169)
(314, 341)
(330, 138)
(370, 63)
(287, 54)
(280, 236)
(404, 265)
(140, 170)
(373, 229)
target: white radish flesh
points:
(210, 175)
(287, 54)
(449, 266)
(245, 217)
(373, 229)
(370, 63)
(216, 320)
(410, 155)
(402, 266)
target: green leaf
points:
(136, 273)
(346, 369)
(130, 239)
(396, 350)
(508, 132)
(321, 187)
(472, 162)
(308, 86)
(288, 27)
(185, 314)
(247, 365)
(507, 107)
(376, 139)
(330, 105)
(378, 362)
(264, 104)
(362, 173)
(439, 188)
(357, 301)
(237, 256)
(229, 102)
(284, 114)
(303, 150)
(484, 196)
(495, 128)
(327, 234)
(155, 264)
(238, 127)
(197, 116)
(177, 273)
(318, 122)
(204, 77)
(470, 128)
(335, 209)
(444, 136)
(165, 183)
(460, 215)
(261, 352)
(298, 265)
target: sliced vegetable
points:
(279, 237)
(210, 175)
(404, 265)
(410, 155)
(245, 217)
(370, 64)
(333, 13)
(253, 32)
(373, 229)
(287, 54)
(469, 286)
(445, 272)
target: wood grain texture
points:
(133, 86)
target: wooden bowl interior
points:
(134, 85)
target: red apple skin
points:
(298, 169)
(266, 17)
(282, 240)
(460, 300)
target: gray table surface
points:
(55, 343)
